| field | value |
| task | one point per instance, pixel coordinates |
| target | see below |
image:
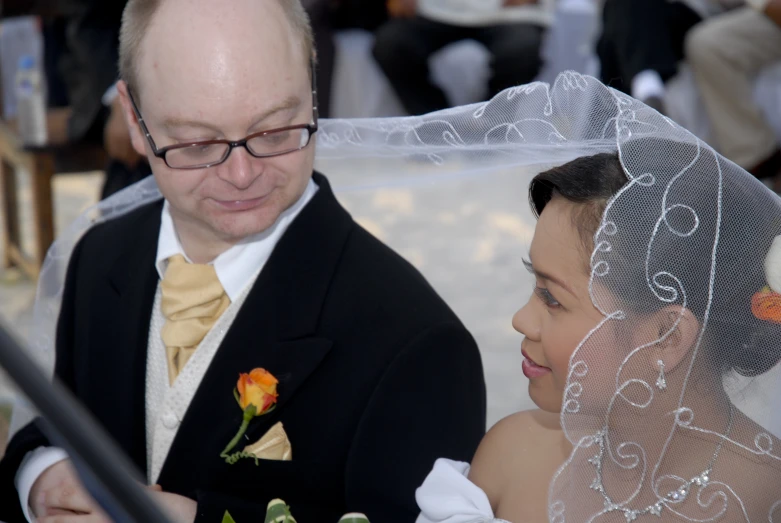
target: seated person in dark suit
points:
(512, 32)
(642, 42)
(82, 51)
(328, 16)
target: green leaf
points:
(354, 517)
(278, 512)
(227, 518)
(288, 516)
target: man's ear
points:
(137, 137)
(679, 330)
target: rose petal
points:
(263, 377)
(242, 383)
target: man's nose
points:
(240, 169)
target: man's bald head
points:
(139, 16)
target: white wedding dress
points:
(447, 496)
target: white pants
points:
(726, 52)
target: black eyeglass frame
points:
(161, 153)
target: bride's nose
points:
(525, 322)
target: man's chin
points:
(236, 228)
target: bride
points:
(649, 342)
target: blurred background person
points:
(81, 48)
(726, 53)
(511, 30)
(80, 51)
(642, 42)
(328, 17)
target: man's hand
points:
(402, 8)
(57, 495)
(516, 3)
(116, 138)
(179, 508)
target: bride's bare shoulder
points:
(523, 445)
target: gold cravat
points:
(193, 300)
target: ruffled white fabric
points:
(447, 496)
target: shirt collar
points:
(237, 267)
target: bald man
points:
(248, 262)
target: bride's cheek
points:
(558, 359)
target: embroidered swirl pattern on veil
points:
(665, 241)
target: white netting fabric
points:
(690, 231)
(681, 252)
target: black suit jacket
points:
(378, 377)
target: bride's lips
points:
(530, 369)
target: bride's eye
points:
(546, 297)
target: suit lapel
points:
(275, 329)
(134, 279)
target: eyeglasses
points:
(208, 153)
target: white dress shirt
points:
(237, 268)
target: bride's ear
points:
(678, 333)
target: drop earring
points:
(661, 381)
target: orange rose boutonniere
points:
(258, 389)
(256, 393)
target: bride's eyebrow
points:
(545, 276)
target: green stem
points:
(249, 413)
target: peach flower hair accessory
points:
(766, 304)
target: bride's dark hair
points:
(741, 342)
